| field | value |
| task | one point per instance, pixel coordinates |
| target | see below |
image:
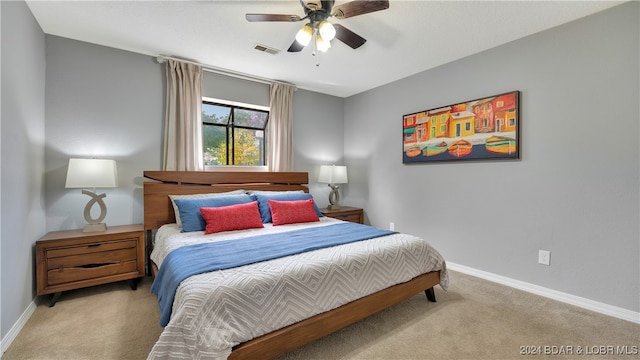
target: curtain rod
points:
(162, 58)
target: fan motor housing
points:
(315, 5)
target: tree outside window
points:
(234, 135)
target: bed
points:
(254, 311)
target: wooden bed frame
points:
(159, 211)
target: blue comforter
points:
(196, 259)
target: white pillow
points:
(198, 196)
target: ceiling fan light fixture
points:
(327, 30)
(322, 44)
(318, 29)
(304, 35)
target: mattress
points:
(214, 311)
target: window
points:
(234, 134)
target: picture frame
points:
(487, 128)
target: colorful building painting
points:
(438, 122)
(422, 133)
(486, 128)
(484, 121)
(410, 129)
(461, 124)
(505, 112)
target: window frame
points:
(230, 126)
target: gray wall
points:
(223, 87)
(104, 103)
(317, 126)
(107, 103)
(576, 190)
(318, 138)
(22, 219)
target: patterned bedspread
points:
(215, 311)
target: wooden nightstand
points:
(345, 213)
(72, 259)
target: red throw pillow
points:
(291, 212)
(232, 217)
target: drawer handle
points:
(90, 266)
(93, 245)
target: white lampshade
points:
(327, 30)
(304, 35)
(332, 174)
(322, 44)
(91, 173)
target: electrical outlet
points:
(392, 226)
(544, 257)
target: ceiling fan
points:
(318, 28)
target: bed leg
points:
(431, 295)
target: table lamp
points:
(331, 175)
(92, 173)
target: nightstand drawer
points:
(91, 248)
(74, 274)
(345, 213)
(347, 217)
(92, 259)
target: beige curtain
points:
(280, 142)
(183, 121)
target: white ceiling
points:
(407, 38)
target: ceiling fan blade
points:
(295, 47)
(349, 37)
(358, 7)
(272, 17)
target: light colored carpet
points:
(475, 319)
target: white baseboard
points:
(15, 329)
(598, 307)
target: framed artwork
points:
(481, 129)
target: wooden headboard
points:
(157, 205)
